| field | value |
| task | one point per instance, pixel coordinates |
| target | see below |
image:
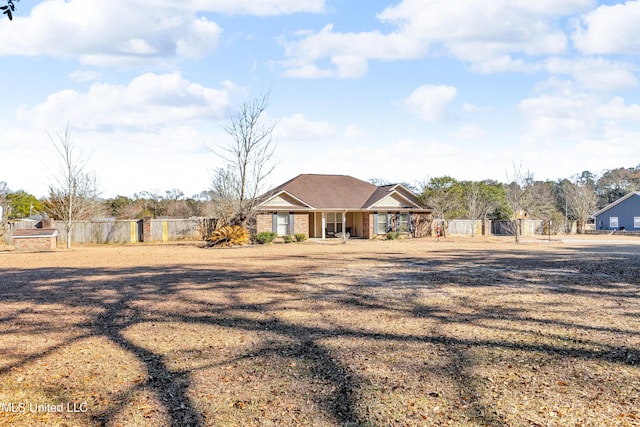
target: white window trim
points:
(284, 215)
(613, 222)
(407, 223)
(384, 221)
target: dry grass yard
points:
(462, 332)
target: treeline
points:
(574, 198)
(156, 204)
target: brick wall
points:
(34, 243)
(264, 222)
(301, 223)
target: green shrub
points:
(266, 237)
(287, 239)
(300, 237)
(393, 235)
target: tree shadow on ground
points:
(74, 289)
(119, 299)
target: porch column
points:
(324, 225)
(344, 225)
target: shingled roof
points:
(335, 192)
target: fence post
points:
(165, 231)
(133, 232)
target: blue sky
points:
(400, 90)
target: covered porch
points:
(330, 224)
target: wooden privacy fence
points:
(164, 230)
(468, 227)
(528, 227)
(122, 231)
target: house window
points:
(636, 222)
(333, 222)
(613, 222)
(403, 222)
(283, 224)
(382, 222)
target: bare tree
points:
(248, 159)
(73, 194)
(581, 201)
(223, 195)
(481, 198)
(519, 197)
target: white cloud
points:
(561, 114)
(111, 32)
(298, 127)
(595, 73)
(489, 34)
(85, 75)
(149, 101)
(571, 115)
(260, 8)
(616, 109)
(348, 52)
(130, 32)
(429, 102)
(610, 30)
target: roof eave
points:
(617, 202)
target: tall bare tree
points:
(481, 198)
(248, 158)
(581, 202)
(73, 192)
(519, 197)
(223, 195)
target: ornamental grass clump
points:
(228, 236)
(287, 239)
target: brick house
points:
(322, 206)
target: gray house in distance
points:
(623, 214)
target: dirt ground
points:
(461, 332)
